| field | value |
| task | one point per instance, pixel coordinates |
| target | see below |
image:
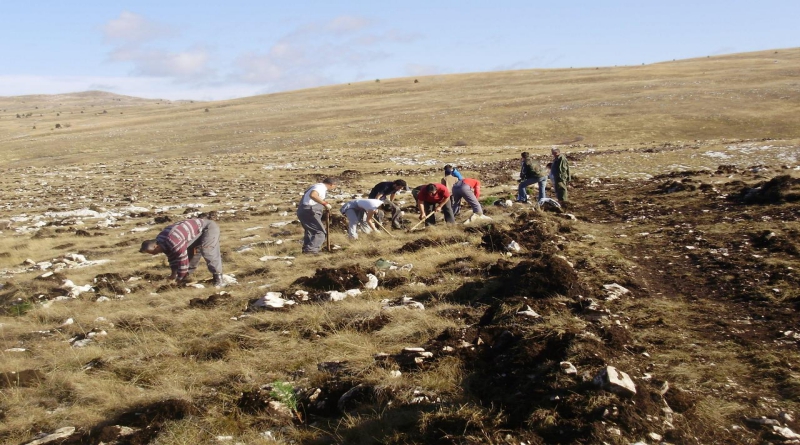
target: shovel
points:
(381, 226)
(422, 221)
(328, 229)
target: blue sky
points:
(176, 49)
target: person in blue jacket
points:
(450, 170)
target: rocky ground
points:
(661, 308)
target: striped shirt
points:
(175, 241)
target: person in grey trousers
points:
(184, 243)
(470, 190)
(309, 212)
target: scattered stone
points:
(272, 300)
(273, 258)
(785, 433)
(73, 291)
(402, 302)
(339, 296)
(52, 437)
(372, 282)
(568, 368)
(477, 218)
(280, 224)
(513, 246)
(527, 311)
(614, 291)
(762, 421)
(618, 382)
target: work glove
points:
(328, 207)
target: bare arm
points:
(315, 197)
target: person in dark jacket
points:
(559, 173)
(530, 173)
(182, 242)
(386, 191)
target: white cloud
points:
(131, 27)
(346, 24)
(190, 64)
(308, 55)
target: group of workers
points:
(185, 242)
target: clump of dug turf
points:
(538, 278)
(342, 279)
(779, 189)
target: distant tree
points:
(377, 81)
(416, 80)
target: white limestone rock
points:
(613, 380)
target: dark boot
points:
(218, 280)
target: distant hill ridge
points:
(748, 95)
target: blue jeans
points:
(522, 194)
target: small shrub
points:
(377, 81)
(460, 144)
(284, 393)
(489, 200)
(58, 125)
(206, 110)
(416, 80)
(20, 308)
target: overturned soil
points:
(341, 279)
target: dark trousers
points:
(311, 219)
(447, 210)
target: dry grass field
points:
(686, 193)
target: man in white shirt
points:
(309, 212)
(360, 212)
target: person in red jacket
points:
(431, 199)
(469, 189)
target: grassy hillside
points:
(752, 95)
(677, 264)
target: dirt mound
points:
(342, 279)
(773, 242)
(535, 234)
(212, 301)
(778, 189)
(537, 278)
(350, 174)
(111, 282)
(678, 186)
(494, 239)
